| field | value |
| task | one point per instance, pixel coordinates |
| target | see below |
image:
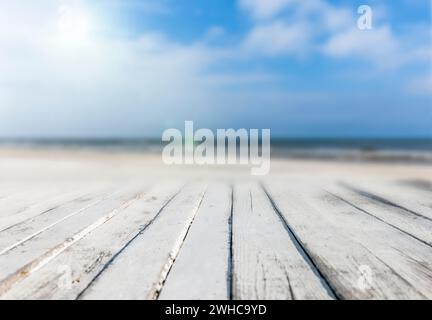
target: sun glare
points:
(73, 25)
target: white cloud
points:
(103, 86)
(420, 85)
(377, 45)
(296, 31)
(214, 32)
(108, 86)
(321, 28)
(336, 18)
(318, 12)
(264, 9)
(278, 38)
(113, 85)
(241, 79)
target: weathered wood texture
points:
(284, 238)
(337, 252)
(201, 270)
(77, 266)
(268, 263)
(140, 270)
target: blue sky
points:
(129, 68)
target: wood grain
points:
(267, 262)
(20, 261)
(66, 276)
(201, 270)
(140, 270)
(339, 258)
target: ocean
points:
(406, 150)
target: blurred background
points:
(115, 74)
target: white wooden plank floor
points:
(221, 239)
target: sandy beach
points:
(46, 164)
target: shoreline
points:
(355, 155)
(42, 163)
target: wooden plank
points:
(25, 198)
(34, 204)
(421, 194)
(412, 201)
(416, 226)
(68, 274)
(8, 190)
(140, 270)
(18, 262)
(417, 184)
(20, 233)
(340, 259)
(267, 263)
(5, 198)
(25, 194)
(406, 256)
(201, 269)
